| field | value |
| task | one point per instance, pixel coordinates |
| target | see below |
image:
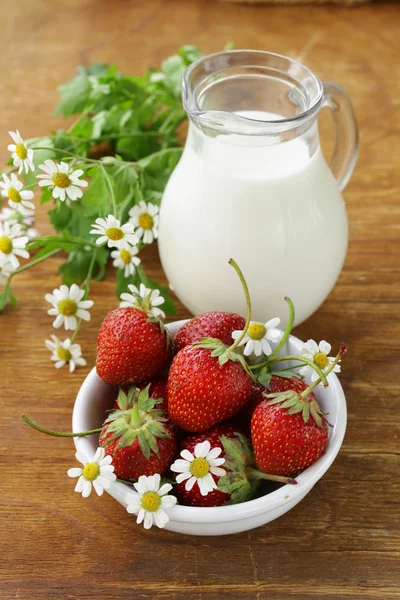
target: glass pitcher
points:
(252, 184)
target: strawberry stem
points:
(234, 264)
(57, 433)
(287, 331)
(291, 357)
(307, 391)
(256, 474)
(135, 419)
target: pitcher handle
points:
(346, 147)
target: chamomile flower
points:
(18, 198)
(144, 217)
(144, 298)
(126, 259)
(200, 467)
(258, 337)
(68, 306)
(318, 354)
(25, 220)
(5, 272)
(21, 154)
(111, 231)
(65, 182)
(98, 473)
(65, 353)
(150, 501)
(12, 244)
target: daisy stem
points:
(57, 433)
(111, 188)
(5, 294)
(287, 331)
(255, 474)
(67, 153)
(302, 359)
(307, 391)
(234, 264)
(35, 262)
(86, 285)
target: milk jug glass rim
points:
(202, 78)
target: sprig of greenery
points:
(126, 139)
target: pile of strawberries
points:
(199, 412)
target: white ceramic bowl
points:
(95, 397)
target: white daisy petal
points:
(201, 450)
(324, 347)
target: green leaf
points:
(97, 194)
(74, 94)
(265, 379)
(60, 216)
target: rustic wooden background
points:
(343, 540)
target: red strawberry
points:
(240, 480)
(137, 437)
(131, 348)
(276, 384)
(218, 325)
(203, 392)
(288, 432)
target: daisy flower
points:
(65, 352)
(126, 259)
(150, 501)
(18, 198)
(258, 337)
(68, 306)
(144, 298)
(318, 354)
(25, 220)
(144, 217)
(199, 468)
(99, 472)
(21, 154)
(5, 272)
(64, 181)
(111, 231)
(12, 244)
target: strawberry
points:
(137, 436)
(202, 391)
(218, 325)
(276, 384)
(288, 432)
(131, 347)
(237, 481)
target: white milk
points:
(272, 208)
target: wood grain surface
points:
(343, 540)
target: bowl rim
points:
(215, 514)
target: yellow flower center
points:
(61, 180)
(5, 244)
(63, 353)
(67, 307)
(114, 233)
(125, 256)
(146, 221)
(91, 471)
(151, 501)
(14, 195)
(256, 331)
(21, 151)
(199, 467)
(321, 360)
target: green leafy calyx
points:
(137, 418)
(296, 403)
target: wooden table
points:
(343, 540)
